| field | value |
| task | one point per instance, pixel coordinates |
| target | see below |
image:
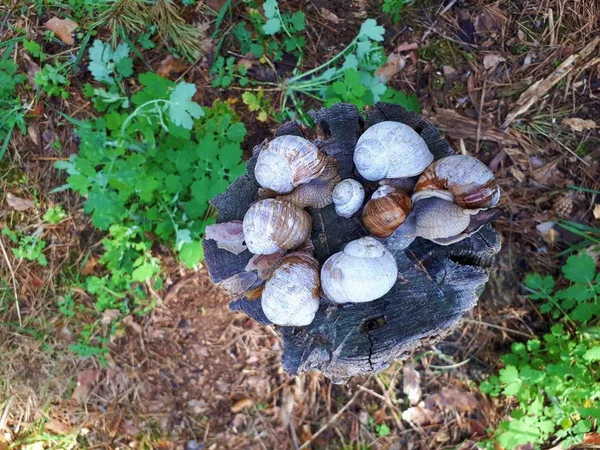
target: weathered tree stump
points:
(436, 284)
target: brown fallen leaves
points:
(85, 382)
(577, 124)
(171, 64)
(18, 203)
(432, 409)
(62, 28)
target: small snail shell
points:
(316, 193)
(271, 225)
(362, 272)
(348, 197)
(288, 161)
(391, 150)
(291, 296)
(386, 211)
(461, 179)
(441, 221)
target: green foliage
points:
(108, 65)
(354, 80)
(53, 80)
(554, 379)
(257, 102)
(154, 169)
(54, 215)
(348, 76)
(579, 301)
(12, 112)
(275, 32)
(29, 246)
(393, 8)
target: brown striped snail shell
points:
(271, 225)
(287, 162)
(385, 211)
(461, 179)
(291, 296)
(317, 193)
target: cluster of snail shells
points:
(448, 192)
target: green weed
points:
(393, 8)
(554, 379)
(29, 247)
(12, 111)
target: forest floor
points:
(190, 374)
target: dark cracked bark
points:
(436, 285)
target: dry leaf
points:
(85, 381)
(89, 266)
(62, 29)
(56, 427)
(450, 72)
(263, 264)
(578, 124)
(453, 398)
(420, 416)
(241, 404)
(170, 64)
(406, 47)
(3, 443)
(109, 315)
(411, 384)
(32, 131)
(549, 234)
(519, 175)
(330, 16)
(394, 64)
(491, 60)
(596, 211)
(229, 236)
(20, 204)
(548, 174)
(128, 321)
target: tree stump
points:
(436, 284)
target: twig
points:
(435, 22)
(5, 413)
(481, 101)
(541, 87)
(332, 420)
(14, 279)
(498, 327)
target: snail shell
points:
(441, 221)
(316, 193)
(461, 179)
(288, 161)
(362, 272)
(391, 150)
(348, 197)
(386, 211)
(271, 225)
(291, 296)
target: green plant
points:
(153, 169)
(12, 111)
(53, 80)
(393, 8)
(554, 379)
(54, 215)
(257, 102)
(29, 246)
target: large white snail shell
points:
(391, 150)
(291, 296)
(271, 225)
(348, 197)
(288, 161)
(362, 272)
